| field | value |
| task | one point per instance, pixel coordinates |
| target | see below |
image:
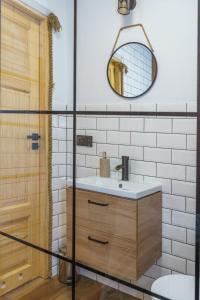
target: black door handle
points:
(34, 137)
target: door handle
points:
(34, 137)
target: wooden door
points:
(23, 160)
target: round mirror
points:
(132, 70)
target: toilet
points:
(175, 287)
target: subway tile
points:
(157, 272)
(114, 137)
(136, 178)
(191, 205)
(187, 126)
(55, 121)
(176, 141)
(62, 242)
(69, 122)
(99, 136)
(185, 189)
(191, 142)
(86, 123)
(55, 221)
(87, 150)
(166, 216)
(183, 157)
(174, 233)
(62, 121)
(59, 208)
(166, 183)
(143, 139)
(59, 158)
(115, 162)
(62, 219)
(131, 124)
(166, 246)
(63, 171)
(183, 250)
(190, 268)
(59, 134)
(55, 171)
(85, 172)
(133, 152)
(62, 195)
(108, 123)
(158, 125)
(111, 150)
(62, 146)
(183, 219)
(191, 174)
(54, 146)
(92, 161)
(157, 155)
(80, 159)
(58, 183)
(59, 232)
(55, 247)
(172, 262)
(143, 168)
(171, 171)
(69, 134)
(174, 202)
(190, 237)
(55, 196)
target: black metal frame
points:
(75, 113)
(152, 84)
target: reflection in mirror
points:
(132, 70)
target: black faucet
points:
(124, 168)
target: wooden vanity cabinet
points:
(118, 236)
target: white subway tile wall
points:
(59, 176)
(162, 149)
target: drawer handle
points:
(98, 241)
(97, 203)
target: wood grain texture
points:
(54, 290)
(118, 236)
(23, 172)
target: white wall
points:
(63, 53)
(63, 49)
(172, 28)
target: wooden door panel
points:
(23, 171)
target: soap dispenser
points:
(104, 166)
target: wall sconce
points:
(125, 6)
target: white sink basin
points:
(132, 190)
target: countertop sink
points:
(132, 190)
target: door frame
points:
(45, 240)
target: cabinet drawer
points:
(105, 252)
(115, 215)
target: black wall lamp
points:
(125, 6)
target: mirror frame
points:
(156, 64)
